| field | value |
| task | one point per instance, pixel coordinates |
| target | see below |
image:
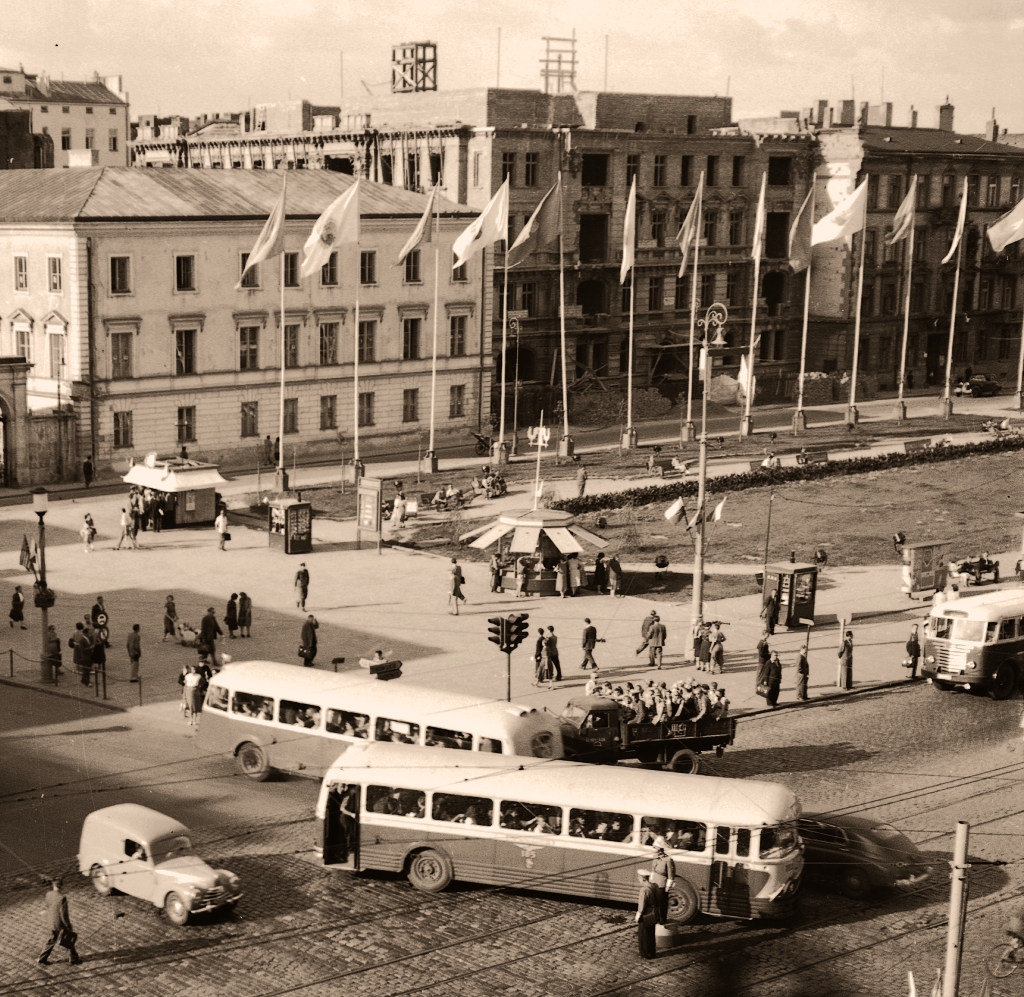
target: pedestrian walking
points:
(231, 615)
(209, 631)
(522, 576)
(704, 651)
(551, 648)
(717, 649)
(663, 876)
(645, 630)
(646, 916)
(277, 450)
(192, 689)
(581, 480)
(541, 665)
(301, 586)
(495, 568)
(126, 530)
(589, 643)
(600, 574)
(170, 619)
(244, 615)
(774, 680)
(308, 643)
(913, 652)
(455, 588)
(58, 922)
(399, 510)
(577, 574)
(268, 450)
(87, 471)
(134, 646)
(220, 524)
(656, 637)
(17, 613)
(845, 655)
(562, 578)
(770, 614)
(614, 576)
(53, 654)
(803, 674)
(82, 647)
(88, 533)
(99, 642)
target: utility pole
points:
(959, 889)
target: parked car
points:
(860, 853)
(979, 386)
(138, 851)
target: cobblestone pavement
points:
(912, 756)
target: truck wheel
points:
(176, 909)
(430, 871)
(1003, 682)
(719, 751)
(685, 762)
(253, 762)
(100, 880)
(682, 902)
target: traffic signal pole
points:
(508, 633)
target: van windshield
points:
(171, 848)
(969, 630)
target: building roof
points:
(935, 140)
(66, 92)
(119, 192)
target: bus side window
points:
(1006, 629)
(990, 632)
(687, 835)
(352, 724)
(250, 705)
(399, 731)
(490, 744)
(299, 714)
(743, 842)
(442, 738)
(462, 809)
(538, 818)
(722, 840)
(217, 697)
(600, 824)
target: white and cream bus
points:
(275, 716)
(561, 827)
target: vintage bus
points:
(561, 827)
(274, 716)
(976, 643)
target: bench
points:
(812, 457)
(910, 446)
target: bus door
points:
(730, 876)
(341, 826)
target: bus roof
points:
(360, 691)
(611, 788)
(990, 606)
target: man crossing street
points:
(589, 643)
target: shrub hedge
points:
(763, 476)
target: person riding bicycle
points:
(1015, 929)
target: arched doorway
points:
(526, 364)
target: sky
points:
(194, 56)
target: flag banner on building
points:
(903, 220)
(961, 218)
(543, 228)
(675, 512)
(26, 560)
(800, 235)
(487, 228)
(339, 224)
(688, 233)
(423, 231)
(846, 218)
(271, 239)
(1009, 228)
(712, 517)
(628, 234)
(757, 249)
(744, 375)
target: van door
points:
(341, 826)
(730, 888)
(133, 874)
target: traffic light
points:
(497, 630)
(518, 631)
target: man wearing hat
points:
(209, 631)
(663, 875)
(656, 642)
(646, 915)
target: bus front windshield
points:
(949, 629)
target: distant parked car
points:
(148, 855)
(859, 853)
(979, 386)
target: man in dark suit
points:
(308, 639)
(589, 643)
(59, 922)
(209, 631)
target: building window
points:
(412, 171)
(90, 138)
(185, 351)
(122, 429)
(594, 170)
(870, 244)
(508, 168)
(707, 290)
(682, 293)
(328, 411)
(435, 169)
(456, 401)
(627, 298)
(973, 183)
(366, 408)
(780, 172)
(20, 273)
(1005, 345)
(88, 110)
(737, 171)
(368, 267)
(711, 227)
(867, 299)
(457, 336)
(121, 355)
(120, 275)
(411, 405)
(985, 296)
(187, 424)
(412, 266)
(23, 342)
(895, 190)
(711, 176)
(981, 345)
(531, 167)
(250, 278)
(291, 269)
(185, 273)
(329, 272)
(55, 277)
(948, 190)
(291, 415)
(528, 299)
(920, 244)
(924, 182)
(659, 220)
(888, 299)
(43, 108)
(632, 168)
(686, 166)
(732, 287)
(291, 346)
(655, 293)
(992, 193)
(248, 347)
(112, 110)
(917, 298)
(735, 228)
(476, 169)
(458, 273)
(872, 191)
(660, 178)
(368, 341)
(1014, 190)
(251, 418)
(65, 139)
(328, 343)
(410, 339)
(112, 140)
(1009, 293)
(58, 349)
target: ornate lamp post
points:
(44, 597)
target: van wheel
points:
(176, 909)
(685, 762)
(253, 762)
(1003, 682)
(854, 883)
(682, 902)
(100, 880)
(430, 871)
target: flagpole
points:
(901, 407)
(851, 411)
(630, 432)
(565, 450)
(688, 429)
(947, 400)
(747, 424)
(282, 482)
(355, 384)
(800, 417)
(432, 454)
(1019, 397)
(504, 348)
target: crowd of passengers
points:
(659, 703)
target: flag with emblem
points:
(1008, 228)
(338, 225)
(543, 228)
(845, 219)
(271, 239)
(487, 228)
(903, 220)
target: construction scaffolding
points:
(559, 64)
(413, 67)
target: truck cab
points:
(593, 729)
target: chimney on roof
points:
(846, 119)
(43, 83)
(992, 128)
(822, 107)
(913, 117)
(946, 116)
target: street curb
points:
(101, 703)
(825, 698)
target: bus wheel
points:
(682, 902)
(253, 762)
(685, 762)
(1003, 682)
(430, 871)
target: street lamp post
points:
(44, 598)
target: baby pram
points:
(186, 633)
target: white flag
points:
(628, 234)
(717, 514)
(1006, 229)
(757, 250)
(903, 220)
(338, 224)
(423, 231)
(675, 511)
(846, 218)
(271, 238)
(961, 218)
(487, 228)
(743, 375)
(688, 233)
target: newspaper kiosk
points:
(186, 488)
(794, 587)
(290, 525)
